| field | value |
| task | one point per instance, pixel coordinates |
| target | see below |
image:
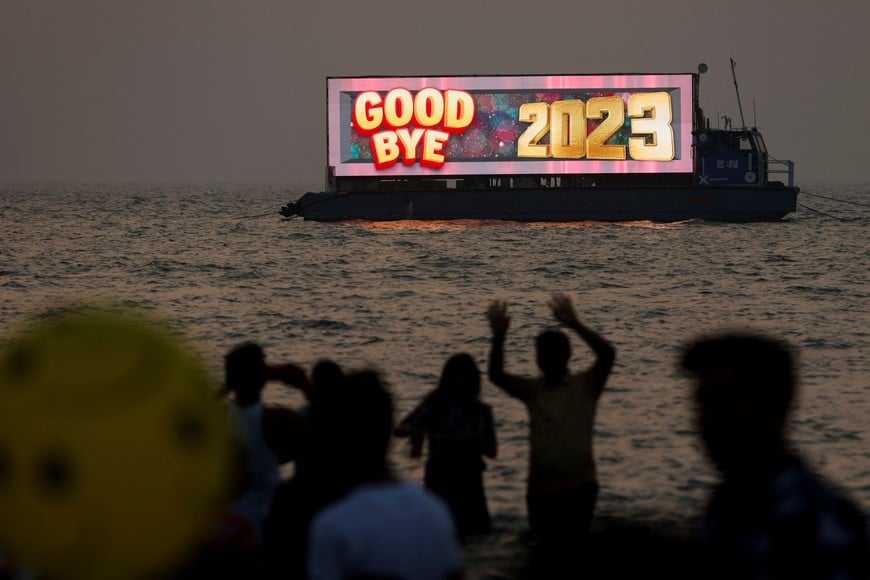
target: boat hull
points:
(612, 204)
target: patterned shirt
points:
(793, 526)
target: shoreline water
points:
(403, 296)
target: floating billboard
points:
(389, 127)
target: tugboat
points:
(541, 148)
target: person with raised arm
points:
(269, 435)
(562, 483)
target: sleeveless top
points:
(264, 469)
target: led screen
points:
(509, 125)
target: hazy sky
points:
(221, 90)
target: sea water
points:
(220, 263)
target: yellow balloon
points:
(114, 449)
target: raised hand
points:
(563, 310)
(499, 321)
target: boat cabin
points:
(736, 157)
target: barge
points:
(540, 148)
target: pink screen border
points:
(681, 83)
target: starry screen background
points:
(493, 133)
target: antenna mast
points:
(699, 113)
(737, 90)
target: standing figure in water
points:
(383, 527)
(562, 485)
(269, 435)
(460, 430)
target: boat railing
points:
(775, 166)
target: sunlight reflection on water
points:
(402, 296)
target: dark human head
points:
(245, 369)
(326, 375)
(744, 385)
(353, 425)
(553, 352)
(460, 378)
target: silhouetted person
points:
(270, 436)
(770, 517)
(324, 373)
(266, 438)
(314, 483)
(383, 528)
(562, 483)
(460, 430)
